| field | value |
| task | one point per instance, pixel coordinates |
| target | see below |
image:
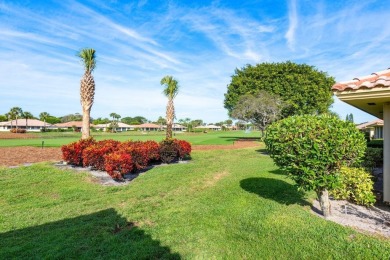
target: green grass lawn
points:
(233, 204)
(58, 139)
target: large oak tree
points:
(303, 88)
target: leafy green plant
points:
(373, 158)
(356, 186)
(312, 149)
(377, 143)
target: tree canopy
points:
(303, 88)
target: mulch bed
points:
(13, 156)
(7, 135)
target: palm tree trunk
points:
(85, 129)
(170, 116)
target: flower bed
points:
(119, 158)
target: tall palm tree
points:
(87, 88)
(43, 117)
(15, 113)
(114, 122)
(170, 91)
(27, 116)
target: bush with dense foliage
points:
(73, 152)
(118, 164)
(184, 148)
(377, 143)
(373, 158)
(120, 158)
(356, 186)
(312, 149)
(93, 155)
(168, 150)
(18, 131)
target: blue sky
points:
(198, 42)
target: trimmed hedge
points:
(377, 143)
(121, 158)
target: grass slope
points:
(58, 139)
(231, 204)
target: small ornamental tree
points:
(312, 149)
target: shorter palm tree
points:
(170, 91)
(15, 113)
(27, 116)
(43, 117)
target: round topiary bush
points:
(312, 149)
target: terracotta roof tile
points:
(376, 79)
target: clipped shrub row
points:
(119, 158)
(18, 131)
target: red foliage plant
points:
(73, 152)
(18, 131)
(94, 155)
(184, 148)
(153, 150)
(117, 164)
(138, 152)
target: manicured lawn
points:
(233, 204)
(58, 139)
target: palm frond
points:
(88, 57)
(171, 86)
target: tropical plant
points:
(43, 117)
(170, 91)
(15, 113)
(27, 115)
(87, 88)
(114, 122)
(312, 149)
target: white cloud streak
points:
(293, 24)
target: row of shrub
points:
(18, 131)
(119, 158)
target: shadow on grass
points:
(274, 189)
(243, 138)
(262, 151)
(104, 234)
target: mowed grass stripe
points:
(223, 204)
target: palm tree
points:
(114, 122)
(15, 112)
(27, 115)
(171, 90)
(43, 117)
(87, 88)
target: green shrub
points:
(312, 150)
(373, 158)
(377, 143)
(355, 186)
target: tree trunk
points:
(323, 197)
(169, 131)
(85, 128)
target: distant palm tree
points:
(87, 88)
(114, 122)
(15, 113)
(43, 117)
(27, 115)
(170, 91)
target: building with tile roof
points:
(372, 94)
(31, 125)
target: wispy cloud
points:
(293, 24)
(200, 44)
